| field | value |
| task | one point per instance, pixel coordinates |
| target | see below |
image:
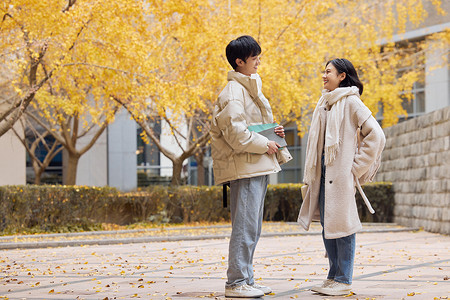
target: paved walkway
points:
(390, 263)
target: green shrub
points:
(381, 197)
(50, 208)
(282, 202)
(140, 206)
(189, 203)
(74, 208)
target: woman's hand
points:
(279, 130)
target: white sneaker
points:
(325, 283)
(336, 289)
(265, 289)
(243, 291)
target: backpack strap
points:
(224, 193)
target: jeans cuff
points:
(235, 284)
(347, 282)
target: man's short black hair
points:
(243, 47)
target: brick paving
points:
(391, 263)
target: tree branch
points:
(194, 147)
(104, 67)
(48, 129)
(149, 131)
(70, 3)
(19, 107)
(175, 131)
(296, 16)
(97, 134)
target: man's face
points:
(248, 67)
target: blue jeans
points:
(246, 206)
(341, 251)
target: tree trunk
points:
(37, 173)
(70, 171)
(200, 169)
(176, 173)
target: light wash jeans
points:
(341, 251)
(246, 205)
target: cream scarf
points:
(336, 100)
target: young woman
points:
(343, 152)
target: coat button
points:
(331, 181)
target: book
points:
(267, 130)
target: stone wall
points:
(417, 161)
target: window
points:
(148, 159)
(292, 170)
(415, 106)
(53, 174)
(148, 154)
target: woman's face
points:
(331, 78)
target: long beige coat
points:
(341, 215)
(236, 151)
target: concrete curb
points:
(112, 241)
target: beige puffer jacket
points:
(236, 151)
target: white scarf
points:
(336, 100)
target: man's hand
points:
(273, 147)
(279, 130)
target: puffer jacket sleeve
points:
(372, 143)
(233, 125)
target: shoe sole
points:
(241, 296)
(331, 293)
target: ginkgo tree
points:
(38, 38)
(297, 38)
(68, 59)
(165, 59)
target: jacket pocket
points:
(224, 169)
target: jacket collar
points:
(253, 86)
(249, 82)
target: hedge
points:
(283, 202)
(51, 208)
(33, 208)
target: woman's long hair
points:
(351, 78)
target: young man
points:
(244, 159)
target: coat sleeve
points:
(233, 125)
(371, 145)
